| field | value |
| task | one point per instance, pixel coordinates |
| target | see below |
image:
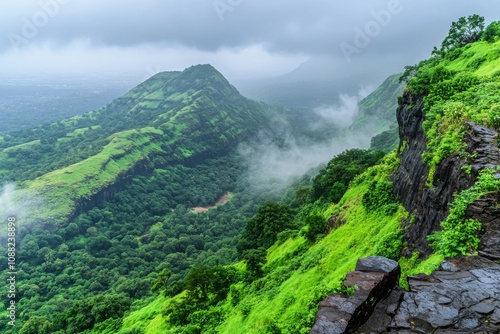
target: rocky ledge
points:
(462, 296)
(430, 205)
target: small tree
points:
(160, 283)
(262, 229)
(255, 259)
(462, 32)
(492, 32)
(198, 282)
(317, 225)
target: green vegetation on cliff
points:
(298, 271)
(129, 255)
(459, 84)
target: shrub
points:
(460, 235)
(494, 117)
(317, 225)
(492, 32)
(379, 194)
(287, 234)
(391, 245)
(475, 63)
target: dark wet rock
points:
(460, 299)
(344, 314)
(487, 211)
(487, 306)
(463, 296)
(430, 205)
(495, 317)
(465, 263)
(383, 313)
(378, 264)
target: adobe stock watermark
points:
(11, 272)
(364, 35)
(31, 25)
(224, 6)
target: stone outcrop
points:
(460, 297)
(429, 205)
(373, 280)
(334, 222)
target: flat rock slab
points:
(378, 264)
(462, 297)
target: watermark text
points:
(31, 25)
(11, 273)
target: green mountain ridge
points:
(450, 90)
(172, 117)
(126, 254)
(114, 188)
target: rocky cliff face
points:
(462, 296)
(429, 205)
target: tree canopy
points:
(462, 32)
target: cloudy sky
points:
(244, 39)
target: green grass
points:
(21, 147)
(62, 188)
(470, 95)
(149, 318)
(317, 271)
(298, 275)
(81, 131)
(488, 51)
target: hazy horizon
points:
(244, 40)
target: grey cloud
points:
(312, 28)
(316, 26)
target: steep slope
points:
(449, 181)
(446, 175)
(377, 116)
(444, 127)
(172, 117)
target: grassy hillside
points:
(460, 86)
(296, 272)
(170, 118)
(378, 109)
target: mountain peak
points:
(194, 78)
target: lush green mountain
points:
(377, 114)
(278, 290)
(129, 254)
(107, 197)
(174, 117)
(115, 188)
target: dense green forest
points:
(116, 246)
(117, 187)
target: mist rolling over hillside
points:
(171, 167)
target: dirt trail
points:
(221, 201)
